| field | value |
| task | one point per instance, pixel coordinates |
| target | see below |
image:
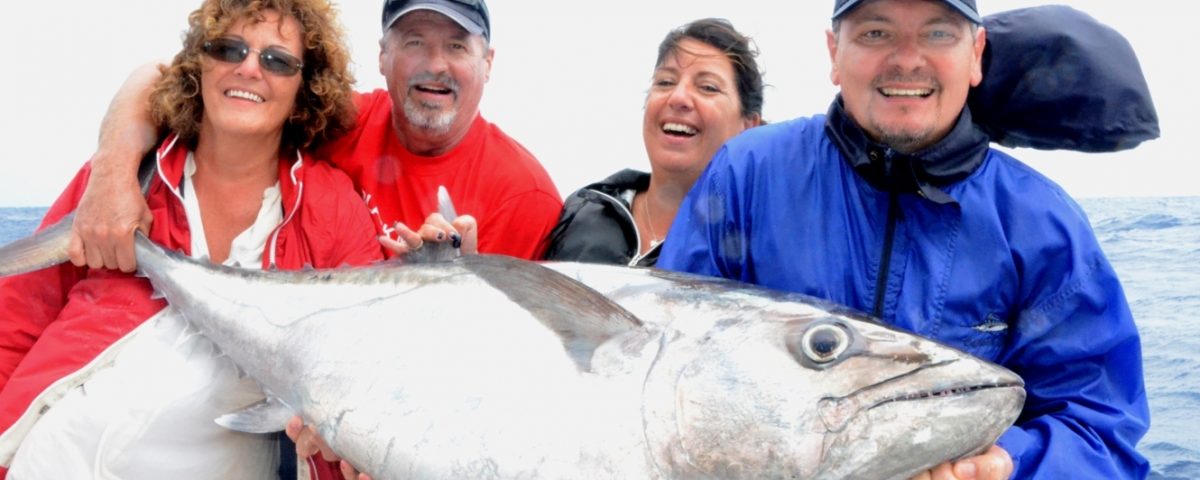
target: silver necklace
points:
(654, 240)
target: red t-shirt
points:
(488, 175)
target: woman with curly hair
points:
(100, 379)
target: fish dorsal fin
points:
(582, 317)
(267, 416)
(431, 252)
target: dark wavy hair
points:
(739, 49)
(324, 106)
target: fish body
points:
(492, 367)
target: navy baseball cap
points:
(965, 7)
(472, 15)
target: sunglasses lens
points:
(226, 50)
(278, 62)
(235, 51)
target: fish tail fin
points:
(43, 249)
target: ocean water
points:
(1154, 244)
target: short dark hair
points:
(739, 49)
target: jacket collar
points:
(172, 157)
(925, 172)
(616, 186)
(627, 179)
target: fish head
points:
(819, 395)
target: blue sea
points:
(1154, 243)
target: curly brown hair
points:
(324, 106)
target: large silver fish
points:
(491, 367)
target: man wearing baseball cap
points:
(893, 203)
(425, 130)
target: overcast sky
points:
(568, 81)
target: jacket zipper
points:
(889, 237)
(885, 262)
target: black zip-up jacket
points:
(597, 225)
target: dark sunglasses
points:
(270, 59)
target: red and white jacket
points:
(56, 321)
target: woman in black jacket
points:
(706, 88)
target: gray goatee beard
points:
(427, 116)
(430, 116)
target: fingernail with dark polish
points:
(455, 240)
(441, 236)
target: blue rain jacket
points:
(959, 243)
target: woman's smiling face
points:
(243, 98)
(692, 108)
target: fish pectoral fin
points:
(267, 416)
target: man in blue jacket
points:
(894, 203)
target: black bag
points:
(1055, 78)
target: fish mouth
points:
(943, 393)
(837, 412)
(918, 427)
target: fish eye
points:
(824, 343)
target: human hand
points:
(462, 234)
(407, 241)
(308, 443)
(108, 213)
(112, 206)
(993, 464)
